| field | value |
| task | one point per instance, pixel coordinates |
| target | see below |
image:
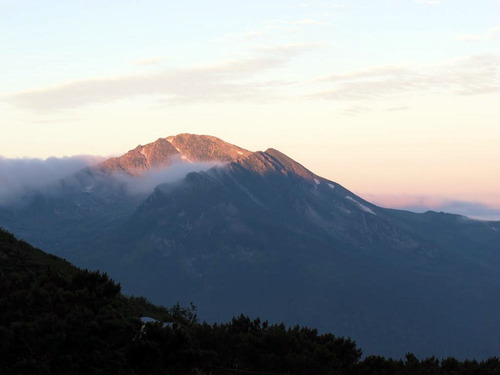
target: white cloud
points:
(21, 175)
(277, 25)
(245, 36)
(355, 110)
(330, 5)
(230, 80)
(397, 109)
(56, 120)
(422, 203)
(146, 182)
(290, 49)
(149, 61)
(465, 76)
(492, 34)
(293, 25)
(324, 4)
(310, 22)
(428, 2)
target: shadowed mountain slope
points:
(265, 235)
(57, 319)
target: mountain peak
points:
(165, 151)
(206, 148)
(157, 154)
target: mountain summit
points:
(165, 151)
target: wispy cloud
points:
(429, 2)
(397, 109)
(244, 36)
(149, 61)
(355, 110)
(422, 203)
(291, 49)
(324, 4)
(492, 34)
(295, 24)
(310, 22)
(230, 80)
(276, 25)
(464, 76)
(56, 120)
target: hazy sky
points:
(397, 100)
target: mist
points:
(18, 176)
(147, 181)
(473, 210)
(421, 203)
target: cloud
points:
(246, 36)
(465, 76)
(295, 25)
(150, 61)
(310, 22)
(231, 80)
(355, 110)
(423, 203)
(492, 34)
(146, 182)
(429, 2)
(329, 5)
(56, 120)
(397, 109)
(291, 49)
(324, 4)
(21, 175)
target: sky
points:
(397, 100)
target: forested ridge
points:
(58, 319)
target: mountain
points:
(259, 233)
(89, 202)
(166, 151)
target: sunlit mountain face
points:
(192, 218)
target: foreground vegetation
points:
(57, 319)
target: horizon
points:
(395, 100)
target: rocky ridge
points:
(166, 151)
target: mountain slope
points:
(57, 319)
(265, 235)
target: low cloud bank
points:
(472, 209)
(20, 177)
(146, 182)
(17, 176)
